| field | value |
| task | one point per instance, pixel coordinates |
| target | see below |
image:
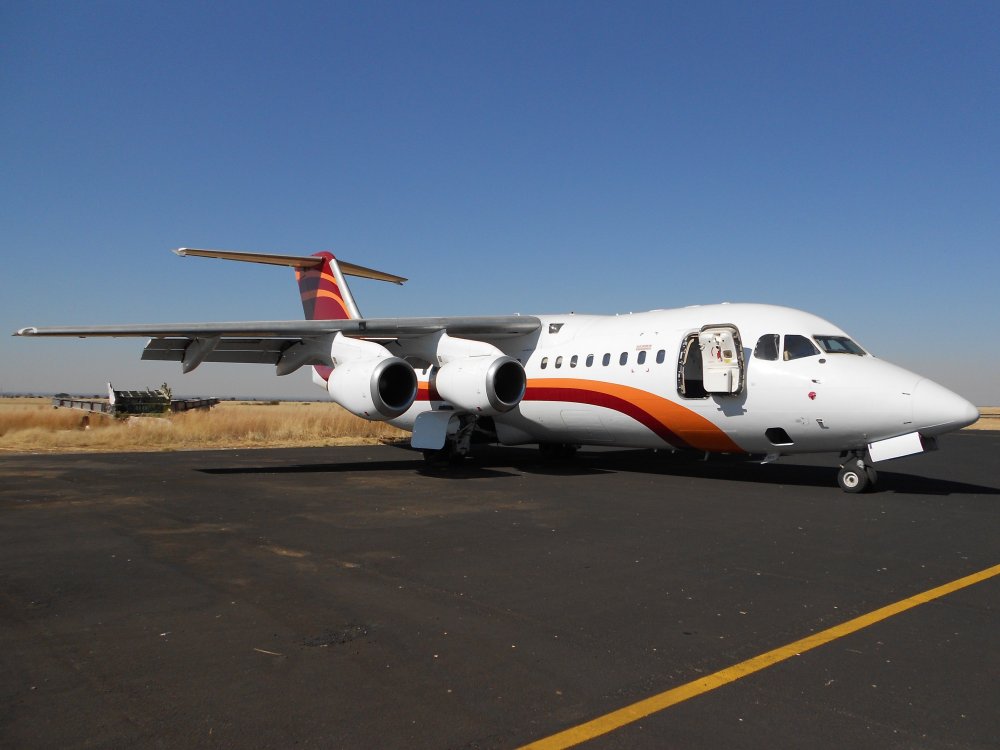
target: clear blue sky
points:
(839, 157)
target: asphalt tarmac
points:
(352, 598)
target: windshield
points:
(797, 347)
(839, 345)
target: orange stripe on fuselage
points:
(676, 424)
(668, 419)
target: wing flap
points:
(249, 351)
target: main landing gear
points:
(456, 445)
(855, 475)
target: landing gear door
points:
(722, 359)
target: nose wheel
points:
(856, 476)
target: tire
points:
(872, 476)
(435, 457)
(853, 479)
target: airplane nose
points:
(937, 410)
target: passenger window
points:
(545, 362)
(573, 360)
(797, 347)
(607, 360)
(590, 360)
(642, 358)
(623, 359)
(660, 356)
(767, 347)
(558, 362)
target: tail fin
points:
(325, 294)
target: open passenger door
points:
(711, 361)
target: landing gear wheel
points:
(852, 479)
(447, 455)
(872, 476)
(856, 475)
(435, 457)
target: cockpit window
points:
(767, 347)
(839, 345)
(797, 347)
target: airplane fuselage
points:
(620, 380)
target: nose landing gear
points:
(856, 476)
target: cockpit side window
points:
(767, 347)
(797, 347)
(839, 345)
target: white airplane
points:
(728, 378)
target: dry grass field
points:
(32, 424)
(989, 419)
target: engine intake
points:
(486, 385)
(374, 389)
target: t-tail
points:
(325, 294)
(322, 286)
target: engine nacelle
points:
(376, 389)
(485, 385)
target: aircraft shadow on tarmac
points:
(743, 469)
(468, 470)
(499, 462)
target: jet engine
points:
(485, 385)
(369, 381)
(374, 389)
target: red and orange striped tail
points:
(321, 296)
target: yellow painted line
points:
(640, 710)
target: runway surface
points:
(349, 597)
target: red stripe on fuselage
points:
(674, 423)
(671, 421)
(608, 401)
(427, 392)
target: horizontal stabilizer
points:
(295, 261)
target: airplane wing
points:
(288, 344)
(376, 328)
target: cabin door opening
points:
(690, 374)
(711, 362)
